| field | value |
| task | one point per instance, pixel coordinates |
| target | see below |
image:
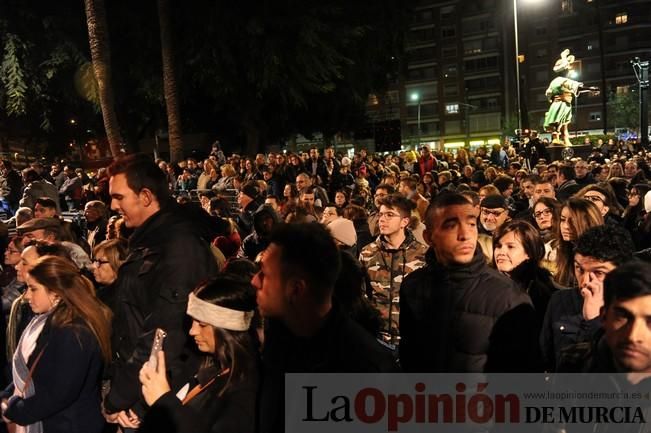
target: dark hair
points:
(240, 266)
(410, 183)
(273, 197)
(354, 212)
(293, 191)
(46, 202)
(141, 172)
(503, 182)
(606, 243)
(567, 172)
(236, 350)
(219, 205)
(442, 201)
(607, 191)
(533, 178)
(208, 194)
(388, 188)
(528, 236)
(471, 195)
(399, 202)
(628, 281)
(47, 248)
(30, 175)
(338, 210)
(555, 206)
(308, 251)
(351, 289)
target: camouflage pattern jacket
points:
(386, 268)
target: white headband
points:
(217, 316)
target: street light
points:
(517, 60)
(416, 97)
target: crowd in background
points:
(497, 260)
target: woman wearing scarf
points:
(58, 363)
(221, 395)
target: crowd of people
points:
(418, 261)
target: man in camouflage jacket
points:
(394, 254)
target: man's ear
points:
(295, 289)
(147, 197)
(404, 222)
(605, 210)
(427, 235)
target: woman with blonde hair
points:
(108, 256)
(208, 176)
(58, 364)
(616, 170)
(226, 180)
(577, 216)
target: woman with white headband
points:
(221, 396)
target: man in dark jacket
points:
(264, 220)
(622, 345)
(247, 199)
(12, 184)
(573, 315)
(456, 313)
(305, 331)
(167, 259)
(566, 184)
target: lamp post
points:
(416, 97)
(517, 61)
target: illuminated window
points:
(595, 116)
(621, 18)
(452, 108)
(567, 6)
(622, 90)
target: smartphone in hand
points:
(157, 346)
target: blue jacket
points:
(66, 380)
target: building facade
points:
(458, 86)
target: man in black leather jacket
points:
(167, 258)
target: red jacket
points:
(426, 165)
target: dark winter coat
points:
(66, 380)
(464, 318)
(258, 241)
(564, 326)
(168, 257)
(208, 412)
(537, 282)
(341, 346)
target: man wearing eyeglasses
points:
(494, 213)
(381, 191)
(394, 254)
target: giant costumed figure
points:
(560, 93)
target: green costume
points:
(559, 93)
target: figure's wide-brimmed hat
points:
(564, 62)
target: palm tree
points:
(100, 51)
(169, 82)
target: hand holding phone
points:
(157, 346)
